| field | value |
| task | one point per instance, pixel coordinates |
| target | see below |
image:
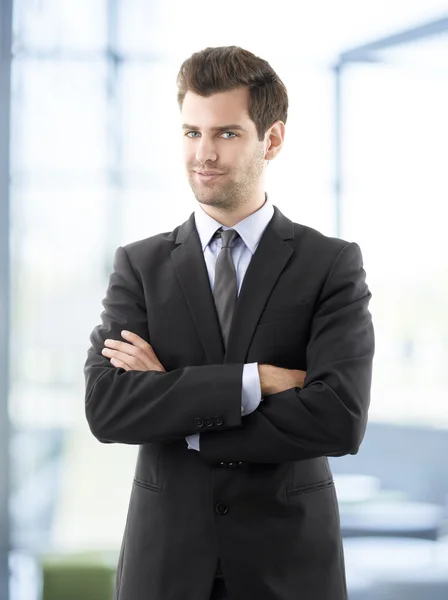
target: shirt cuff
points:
(193, 441)
(251, 396)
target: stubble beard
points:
(231, 194)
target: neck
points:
(231, 218)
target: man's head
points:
(234, 109)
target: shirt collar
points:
(250, 229)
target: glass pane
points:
(59, 117)
(396, 186)
(141, 27)
(60, 24)
(300, 180)
(58, 248)
(62, 252)
(151, 120)
(155, 208)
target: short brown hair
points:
(226, 68)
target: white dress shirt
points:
(250, 231)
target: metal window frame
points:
(5, 108)
(367, 53)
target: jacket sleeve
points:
(328, 416)
(136, 407)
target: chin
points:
(218, 198)
(210, 201)
(203, 196)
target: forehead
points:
(219, 108)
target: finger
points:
(131, 351)
(133, 362)
(138, 341)
(118, 363)
(134, 338)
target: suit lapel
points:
(189, 263)
(266, 265)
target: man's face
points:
(221, 139)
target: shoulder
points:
(324, 251)
(312, 241)
(305, 238)
(155, 247)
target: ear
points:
(274, 139)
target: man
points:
(247, 363)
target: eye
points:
(192, 134)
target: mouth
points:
(207, 176)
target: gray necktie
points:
(225, 289)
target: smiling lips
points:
(208, 175)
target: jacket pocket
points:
(311, 488)
(154, 487)
(148, 467)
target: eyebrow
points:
(223, 128)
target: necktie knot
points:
(228, 236)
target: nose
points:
(205, 151)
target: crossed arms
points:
(136, 401)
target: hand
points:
(275, 379)
(136, 356)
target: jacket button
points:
(209, 422)
(199, 422)
(221, 508)
(232, 465)
(219, 420)
(241, 463)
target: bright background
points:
(95, 162)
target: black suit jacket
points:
(259, 495)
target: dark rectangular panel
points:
(5, 85)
